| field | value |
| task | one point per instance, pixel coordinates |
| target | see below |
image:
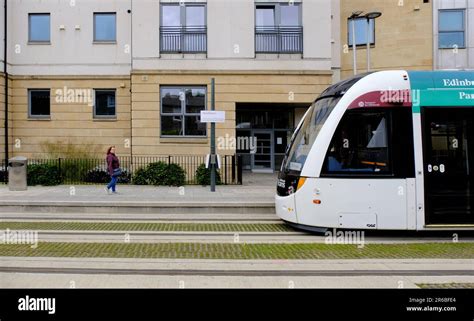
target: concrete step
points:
(142, 217)
(140, 207)
(176, 237)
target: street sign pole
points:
(213, 139)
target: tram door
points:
(448, 145)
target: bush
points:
(77, 157)
(125, 178)
(203, 176)
(3, 175)
(76, 170)
(99, 176)
(140, 177)
(43, 174)
(160, 173)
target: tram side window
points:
(360, 145)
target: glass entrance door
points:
(448, 165)
(262, 156)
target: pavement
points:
(138, 194)
(176, 273)
(255, 196)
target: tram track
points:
(215, 272)
(215, 237)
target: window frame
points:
(463, 11)
(349, 33)
(31, 41)
(391, 173)
(95, 115)
(95, 40)
(183, 112)
(181, 31)
(269, 39)
(182, 12)
(277, 12)
(30, 114)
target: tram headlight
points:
(301, 182)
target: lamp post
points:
(370, 16)
(352, 18)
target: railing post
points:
(233, 168)
(225, 169)
(181, 38)
(239, 169)
(59, 169)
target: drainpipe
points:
(5, 72)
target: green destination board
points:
(442, 89)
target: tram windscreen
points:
(306, 134)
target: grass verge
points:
(452, 285)
(158, 227)
(242, 251)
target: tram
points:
(388, 150)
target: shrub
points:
(3, 175)
(124, 178)
(76, 170)
(100, 176)
(156, 173)
(176, 175)
(97, 176)
(77, 158)
(43, 174)
(140, 177)
(160, 173)
(203, 175)
(72, 150)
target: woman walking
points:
(113, 168)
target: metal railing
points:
(279, 39)
(183, 39)
(94, 171)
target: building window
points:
(105, 27)
(183, 28)
(180, 111)
(361, 31)
(39, 27)
(104, 105)
(278, 28)
(39, 103)
(451, 29)
(360, 145)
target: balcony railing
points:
(183, 39)
(279, 39)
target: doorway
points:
(263, 154)
(448, 143)
(269, 127)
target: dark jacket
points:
(112, 163)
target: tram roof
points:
(343, 86)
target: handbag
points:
(117, 172)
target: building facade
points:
(84, 75)
(453, 30)
(136, 74)
(401, 38)
(410, 34)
